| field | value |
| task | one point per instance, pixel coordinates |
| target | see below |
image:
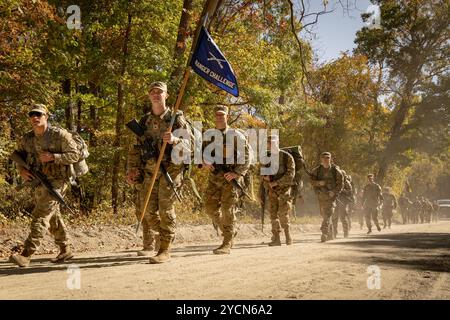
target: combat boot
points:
(64, 254)
(370, 231)
(224, 248)
(378, 228)
(287, 233)
(163, 254)
(149, 249)
(23, 259)
(345, 233)
(232, 239)
(276, 241)
(323, 238)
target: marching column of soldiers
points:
(47, 155)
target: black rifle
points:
(225, 169)
(150, 150)
(42, 178)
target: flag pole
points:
(208, 11)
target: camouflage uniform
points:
(160, 215)
(389, 205)
(334, 181)
(416, 210)
(404, 204)
(280, 199)
(46, 214)
(221, 198)
(341, 212)
(372, 199)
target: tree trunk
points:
(182, 36)
(119, 120)
(66, 88)
(390, 151)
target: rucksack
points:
(297, 154)
(80, 168)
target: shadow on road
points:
(421, 251)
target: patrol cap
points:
(325, 154)
(158, 85)
(38, 107)
(221, 109)
(370, 175)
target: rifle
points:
(225, 169)
(150, 150)
(41, 179)
(321, 187)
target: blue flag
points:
(210, 64)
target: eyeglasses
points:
(35, 114)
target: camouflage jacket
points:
(372, 195)
(324, 180)
(235, 152)
(389, 201)
(284, 176)
(55, 140)
(155, 127)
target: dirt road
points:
(413, 262)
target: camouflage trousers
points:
(371, 213)
(160, 216)
(388, 213)
(340, 213)
(46, 216)
(221, 204)
(327, 208)
(280, 205)
(405, 216)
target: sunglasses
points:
(35, 113)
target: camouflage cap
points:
(325, 154)
(38, 107)
(158, 85)
(221, 109)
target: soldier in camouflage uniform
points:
(416, 210)
(140, 171)
(51, 150)
(278, 185)
(341, 212)
(221, 198)
(328, 182)
(405, 206)
(389, 205)
(372, 200)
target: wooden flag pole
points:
(208, 11)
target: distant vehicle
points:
(444, 207)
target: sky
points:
(335, 31)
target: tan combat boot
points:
(232, 239)
(276, 241)
(23, 259)
(287, 233)
(224, 248)
(148, 249)
(163, 254)
(64, 255)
